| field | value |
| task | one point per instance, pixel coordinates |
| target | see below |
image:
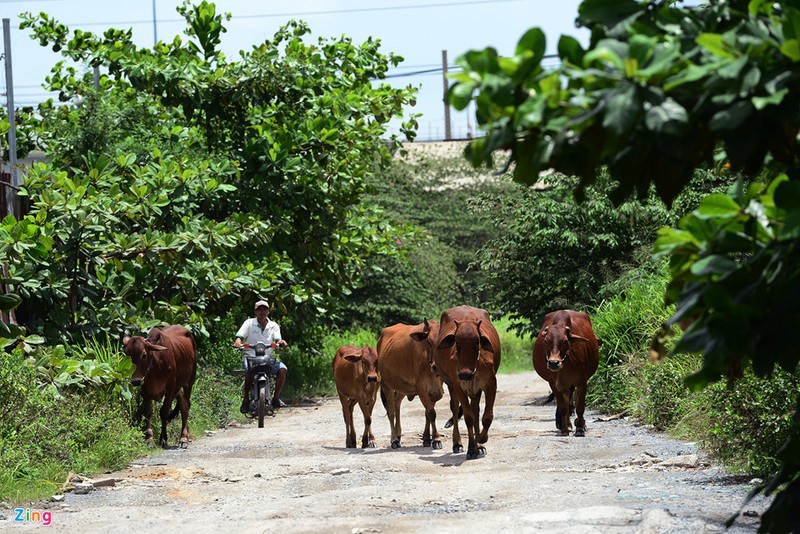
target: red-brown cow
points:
(467, 356)
(566, 354)
(166, 367)
(405, 355)
(355, 372)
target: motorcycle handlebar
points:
(274, 345)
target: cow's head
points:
(468, 341)
(427, 335)
(558, 341)
(145, 355)
(368, 357)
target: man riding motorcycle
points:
(253, 330)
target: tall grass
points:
(625, 324)
(516, 348)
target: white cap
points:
(261, 303)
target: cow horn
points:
(427, 326)
(567, 329)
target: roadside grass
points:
(516, 349)
(742, 424)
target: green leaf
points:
(9, 301)
(533, 40)
(717, 205)
(621, 112)
(570, 50)
(791, 49)
(669, 118)
(714, 264)
(714, 43)
(760, 102)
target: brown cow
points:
(166, 367)
(467, 357)
(566, 355)
(405, 354)
(355, 372)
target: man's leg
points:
(248, 383)
(280, 380)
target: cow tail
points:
(175, 411)
(383, 399)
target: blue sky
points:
(418, 30)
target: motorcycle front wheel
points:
(262, 405)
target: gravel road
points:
(295, 475)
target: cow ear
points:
(153, 346)
(419, 336)
(486, 344)
(352, 357)
(575, 337)
(448, 341)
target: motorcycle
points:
(260, 365)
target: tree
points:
(660, 91)
(209, 181)
(552, 252)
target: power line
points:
(311, 13)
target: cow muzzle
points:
(372, 379)
(466, 376)
(137, 381)
(554, 365)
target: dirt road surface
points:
(295, 475)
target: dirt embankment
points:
(295, 475)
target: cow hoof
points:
(426, 443)
(449, 423)
(580, 432)
(480, 452)
(184, 444)
(458, 448)
(437, 445)
(564, 432)
(150, 443)
(395, 444)
(368, 445)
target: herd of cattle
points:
(462, 351)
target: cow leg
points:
(165, 410)
(454, 407)
(562, 413)
(367, 439)
(349, 430)
(392, 400)
(147, 409)
(184, 406)
(473, 451)
(434, 440)
(580, 406)
(488, 411)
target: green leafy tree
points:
(554, 253)
(187, 183)
(660, 90)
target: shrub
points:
(751, 420)
(625, 323)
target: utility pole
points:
(11, 189)
(447, 133)
(155, 29)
